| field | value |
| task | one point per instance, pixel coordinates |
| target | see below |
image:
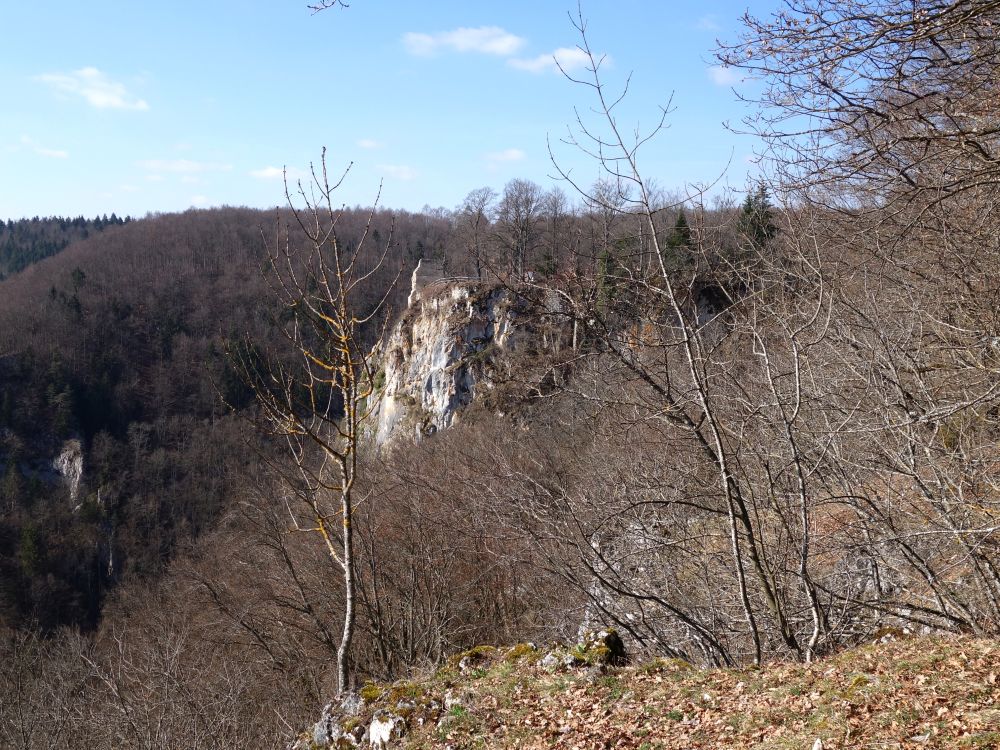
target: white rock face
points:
(383, 730)
(439, 355)
(426, 272)
(69, 464)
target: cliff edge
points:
(454, 342)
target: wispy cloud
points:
(268, 173)
(508, 154)
(709, 23)
(570, 59)
(723, 76)
(276, 173)
(95, 88)
(183, 166)
(398, 171)
(198, 201)
(369, 143)
(50, 153)
(488, 40)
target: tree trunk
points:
(344, 650)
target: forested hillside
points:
(746, 430)
(119, 343)
(28, 241)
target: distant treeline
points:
(28, 241)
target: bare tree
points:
(876, 103)
(327, 4)
(322, 407)
(518, 223)
(42, 689)
(884, 110)
(559, 215)
(606, 201)
(728, 394)
(474, 218)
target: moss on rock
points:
(522, 652)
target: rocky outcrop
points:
(69, 465)
(380, 716)
(596, 648)
(452, 343)
(385, 728)
(426, 273)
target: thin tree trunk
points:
(343, 652)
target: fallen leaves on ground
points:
(907, 693)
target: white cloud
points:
(709, 23)
(197, 201)
(95, 87)
(182, 166)
(509, 154)
(276, 173)
(570, 58)
(398, 171)
(488, 40)
(154, 177)
(369, 143)
(128, 188)
(50, 153)
(268, 173)
(723, 76)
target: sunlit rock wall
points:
(440, 354)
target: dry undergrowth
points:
(906, 693)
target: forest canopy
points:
(743, 431)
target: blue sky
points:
(135, 107)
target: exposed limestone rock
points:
(440, 354)
(69, 464)
(384, 729)
(427, 272)
(352, 704)
(604, 646)
(339, 727)
(597, 648)
(454, 342)
(381, 714)
(559, 659)
(326, 731)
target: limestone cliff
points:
(69, 465)
(453, 343)
(439, 355)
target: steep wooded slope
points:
(28, 241)
(118, 343)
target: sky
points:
(112, 106)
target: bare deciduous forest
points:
(742, 431)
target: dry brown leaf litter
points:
(910, 693)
